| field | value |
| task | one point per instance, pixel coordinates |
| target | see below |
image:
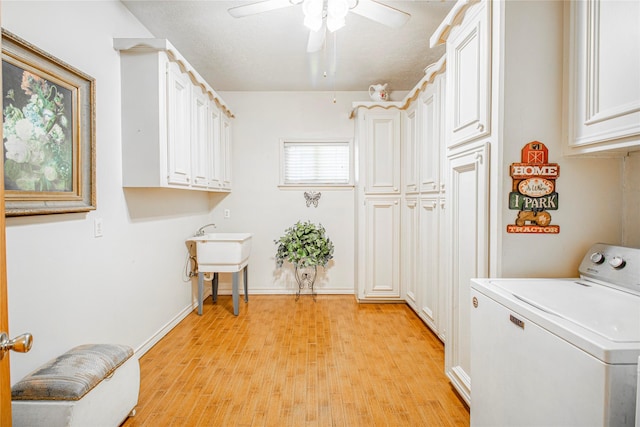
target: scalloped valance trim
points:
(430, 74)
(157, 45)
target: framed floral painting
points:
(48, 129)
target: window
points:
(315, 162)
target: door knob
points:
(21, 343)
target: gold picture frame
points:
(48, 132)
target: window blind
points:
(316, 163)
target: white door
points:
(382, 152)
(469, 76)
(178, 126)
(225, 144)
(382, 248)
(409, 255)
(429, 265)
(199, 138)
(469, 248)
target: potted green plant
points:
(306, 246)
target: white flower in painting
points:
(36, 157)
(17, 149)
(24, 129)
(57, 134)
(50, 173)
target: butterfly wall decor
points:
(312, 197)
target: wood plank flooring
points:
(332, 362)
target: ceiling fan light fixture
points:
(313, 14)
(336, 12)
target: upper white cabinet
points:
(431, 153)
(468, 71)
(603, 76)
(381, 135)
(411, 137)
(176, 131)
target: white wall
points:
(65, 286)
(631, 194)
(259, 206)
(590, 189)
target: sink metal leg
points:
(234, 293)
(214, 287)
(200, 292)
(246, 279)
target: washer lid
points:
(610, 313)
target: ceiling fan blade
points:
(381, 13)
(316, 39)
(259, 7)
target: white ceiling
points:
(267, 52)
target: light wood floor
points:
(332, 362)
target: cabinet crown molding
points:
(430, 72)
(163, 45)
(454, 18)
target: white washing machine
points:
(559, 352)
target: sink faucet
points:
(200, 231)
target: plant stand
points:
(306, 277)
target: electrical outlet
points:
(227, 213)
(97, 227)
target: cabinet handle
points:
(395, 203)
(395, 188)
(480, 127)
(478, 158)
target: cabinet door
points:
(409, 253)
(468, 194)
(429, 255)
(442, 315)
(410, 137)
(225, 145)
(214, 153)
(382, 151)
(469, 76)
(178, 126)
(199, 138)
(604, 75)
(430, 140)
(381, 248)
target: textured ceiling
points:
(267, 52)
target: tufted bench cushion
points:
(92, 384)
(73, 374)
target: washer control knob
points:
(617, 262)
(597, 257)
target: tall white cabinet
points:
(468, 135)
(378, 203)
(401, 250)
(176, 130)
(431, 259)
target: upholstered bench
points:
(90, 385)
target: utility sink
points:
(220, 252)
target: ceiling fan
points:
(322, 15)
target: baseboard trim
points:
(153, 340)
